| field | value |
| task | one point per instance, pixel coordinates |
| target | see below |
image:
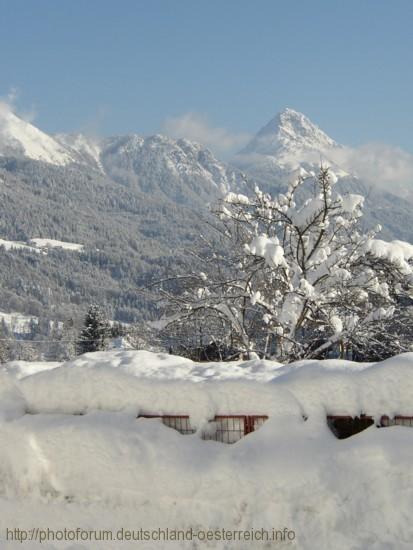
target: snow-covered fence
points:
(194, 396)
(180, 423)
(223, 428)
(231, 428)
(397, 421)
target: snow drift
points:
(106, 469)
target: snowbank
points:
(53, 243)
(106, 469)
(145, 382)
(21, 369)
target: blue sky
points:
(128, 66)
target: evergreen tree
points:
(94, 334)
(5, 341)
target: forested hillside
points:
(130, 206)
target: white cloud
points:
(379, 164)
(8, 103)
(196, 127)
(11, 97)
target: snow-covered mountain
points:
(291, 145)
(288, 144)
(20, 138)
(83, 149)
(135, 203)
(290, 132)
(181, 170)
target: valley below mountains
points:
(131, 206)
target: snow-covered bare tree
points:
(297, 276)
(141, 336)
(386, 336)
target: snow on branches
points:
(292, 277)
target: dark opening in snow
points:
(346, 426)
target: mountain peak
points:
(19, 137)
(289, 132)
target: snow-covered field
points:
(16, 245)
(105, 469)
(41, 245)
(53, 243)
